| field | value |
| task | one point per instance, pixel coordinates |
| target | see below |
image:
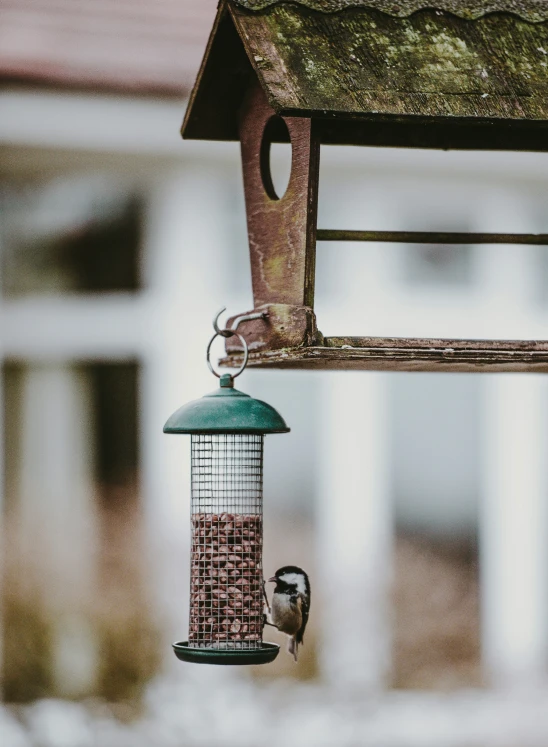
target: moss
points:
(362, 61)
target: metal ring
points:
(232, 334)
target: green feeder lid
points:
(226, 410)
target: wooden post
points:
(281, 228)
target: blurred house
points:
(417, 500)
(82, 236)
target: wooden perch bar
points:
(407, 354)
(431, 237)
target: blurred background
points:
(416, 501)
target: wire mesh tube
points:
(226, 603)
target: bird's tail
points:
(292, 647)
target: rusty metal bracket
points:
(274, 327)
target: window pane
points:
(70, 235)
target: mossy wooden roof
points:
(367, 68)
(530, 10)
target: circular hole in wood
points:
(276, 158)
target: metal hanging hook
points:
(228, 332)
(222, 332)
(231, 332)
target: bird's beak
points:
(273, 579)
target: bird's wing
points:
(303, 604)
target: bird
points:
(291, 604)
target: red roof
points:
(135, 45)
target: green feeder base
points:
(264, 655)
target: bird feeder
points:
(227, 430)
(445, 74)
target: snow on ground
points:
(214, 707)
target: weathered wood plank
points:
(408, 354)
(281, 229)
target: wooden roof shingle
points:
(530, 10)
(361, 68)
